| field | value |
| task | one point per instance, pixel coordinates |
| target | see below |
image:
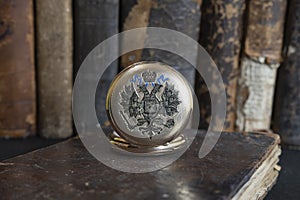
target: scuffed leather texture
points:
(67, 171)
(17, 82)
(221, 35)
(54, 37)
(94, 22)
(265, 24)
(287, 103)
(183, 16)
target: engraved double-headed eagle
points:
(149, 103)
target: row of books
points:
(255, 45)
(43, 43)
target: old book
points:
(183, 16)
(259, 63)
(95, 21)
(220, 35)
(286, 115)
(241, 166)
(54, 67)
(17, 82)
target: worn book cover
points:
(260, 60)
(183, 16)
(221, 36)
(54, 42)
(95, 21)
(17, 82)
(286, 115)
(240, 166)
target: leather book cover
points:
(286, 115)
(95, 21)
(17, 82)
(260, 60)
(54, 42)
(183, 16)
(240, 166)
(221, 36)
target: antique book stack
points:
(52, 47)
(243, 37)
(286, 115)
(17, 72)
(245, 40)
(53, 68)
(246, 170)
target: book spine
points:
(54, 67)
(259, 63)
(220, 35)
(130, 9)
(17, 82)
(286, 115)
(183, 16)
(95, 21)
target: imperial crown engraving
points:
(149, 76)
(149, 103)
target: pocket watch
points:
(149, 104)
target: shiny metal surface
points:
(149, 103)
(179, 143)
